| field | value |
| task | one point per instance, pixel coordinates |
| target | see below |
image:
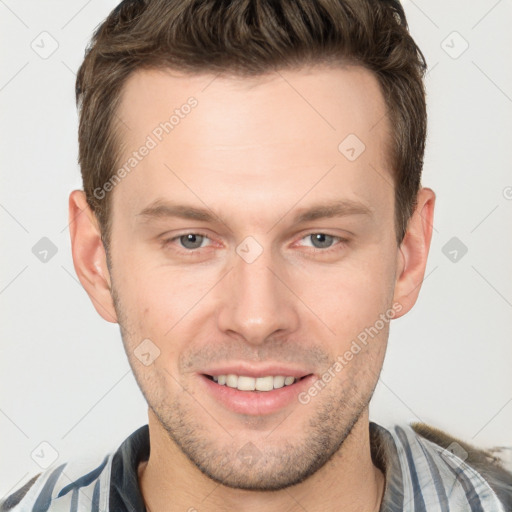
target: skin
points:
(255, 151)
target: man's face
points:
(255, 291)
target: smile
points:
(246, 383)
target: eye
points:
(188, 241)
(192, 242)
(323, 242)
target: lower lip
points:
(256, 403)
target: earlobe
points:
(413, 252)
(89, 257)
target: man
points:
(252, 217)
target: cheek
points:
(158, 302)
(351, 295)
(147, 292)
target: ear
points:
(413, 252)
(89, 257)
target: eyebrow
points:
(340, 208)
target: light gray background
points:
(65, 379)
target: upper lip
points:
(257, 371)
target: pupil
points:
(322, 238)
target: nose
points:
(257, 300)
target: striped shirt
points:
(420, 476)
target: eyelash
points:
(190, 252)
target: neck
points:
(349, 481)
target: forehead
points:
(332, 99)
(260, 139)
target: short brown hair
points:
(251, 38)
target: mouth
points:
(258, 394)
(256, 384)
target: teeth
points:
(279, 382)
(265, 383)
(232, 380)
(245, 383)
